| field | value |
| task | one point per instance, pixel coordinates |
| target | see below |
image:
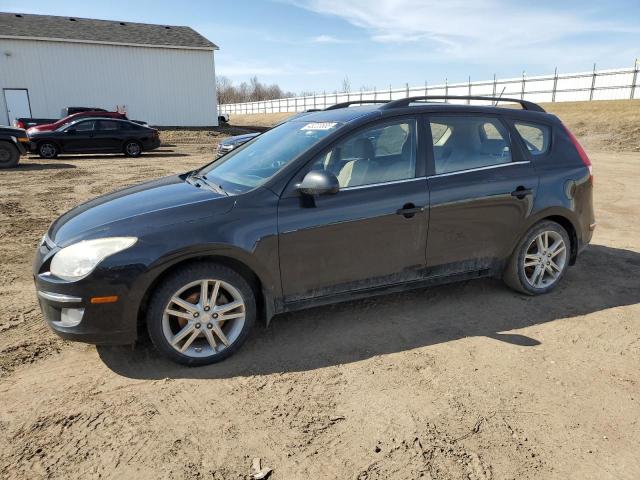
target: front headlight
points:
(80, 259)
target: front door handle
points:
(521, 192)
(409, 210)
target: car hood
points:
(42, 128)
(138, 209)
(16, 132)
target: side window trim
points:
(478, 169)
(517, 156)
(390, 182)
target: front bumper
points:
(153, 144)
(69, 312)
(22, 147)
(75, 318)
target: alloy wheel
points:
(48, 150)
(133, 149)
(203, 318)
(545, 259)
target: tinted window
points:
(537, 138)
(83, 126)
(383, 153)
(466, 142)
(130, 126)
(107, 125)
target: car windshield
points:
(255, 162)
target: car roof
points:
(351, 113)
(108, 119)
(337, 115)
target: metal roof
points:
(87, 30)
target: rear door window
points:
(468, 142)
(536, 137)
(107, 125)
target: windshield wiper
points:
(204, 181)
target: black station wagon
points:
(338, 204)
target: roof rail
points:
(354, 102)
(405, 102)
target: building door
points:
(17, 102)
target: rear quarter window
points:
(536, 137)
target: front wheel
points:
(48, 150)
(540, 260)
(132, 149)
(201, 314)
(9, 155)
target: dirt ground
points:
(465, 381)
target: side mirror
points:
(319, 182)
(70, 131)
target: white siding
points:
(170, 87)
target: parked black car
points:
(95, 135)
(230, 143)
(13, 144)
(335, 205)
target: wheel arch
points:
(265, 300)
(565, 218)
(47, 140)
(130, 139)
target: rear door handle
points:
(521, 192)
(409, 210)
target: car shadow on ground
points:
(119, 156)
(603, 278)
(27, 167)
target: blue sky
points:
(312, 45)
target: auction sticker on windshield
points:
(319, 126)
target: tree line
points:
(252, 91)
(256, 91)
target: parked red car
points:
(49, 127)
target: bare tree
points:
(253, 91)
(346, 85)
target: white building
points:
(161, 74)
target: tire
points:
(551, 263)
(9, 155)
(185, 285)
(132, 149)
(48, 150)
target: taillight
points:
(19, 124)
(581, 152)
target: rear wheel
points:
(201, 314)
(132, 149)
(9, 155)
(540, 260)
(48, 150)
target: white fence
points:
(614, 84)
